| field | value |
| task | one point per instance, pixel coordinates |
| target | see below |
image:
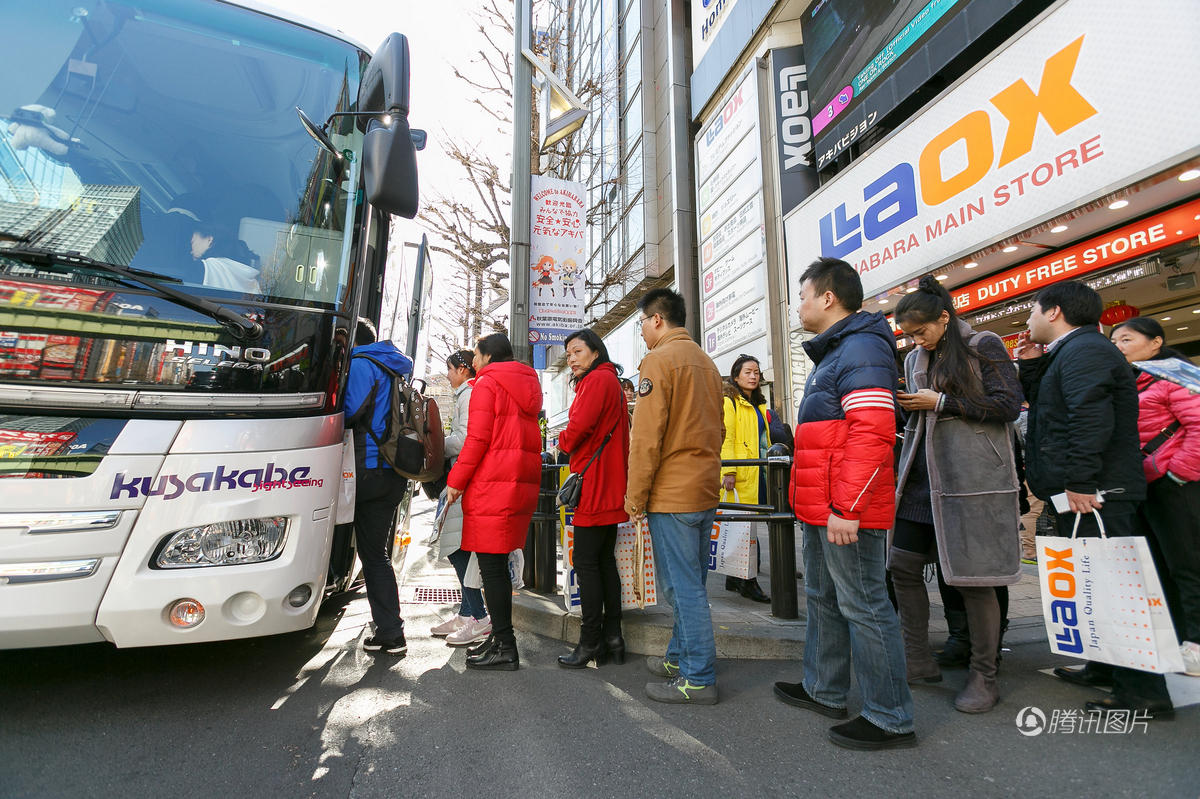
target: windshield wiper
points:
(240, 326)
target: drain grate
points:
(428, 595)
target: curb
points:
(757, 638)
(645, 634)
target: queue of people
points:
(1121, 445)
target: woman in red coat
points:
(1169, 432)
(498, 474)
(598, 419)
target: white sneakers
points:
(447, 627)
(473, 631)
(1191, 658)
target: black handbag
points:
(571, 490)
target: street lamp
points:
(562, 113)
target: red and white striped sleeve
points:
(869, 398)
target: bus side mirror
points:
(389, 151)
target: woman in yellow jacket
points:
(747, 435)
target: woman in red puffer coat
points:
(1169, 432)
(498, 474)
(598, 415)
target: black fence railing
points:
(541, 553)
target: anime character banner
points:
(557, 257)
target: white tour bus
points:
(183, 255)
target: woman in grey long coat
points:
(956, 489)
(472, 623)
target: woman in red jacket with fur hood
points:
(498, 474)
(598, 419)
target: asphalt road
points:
(309, 714)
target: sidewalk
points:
(743, 629)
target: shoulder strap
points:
(1149, 383)
(1161, 438)
(600, 448)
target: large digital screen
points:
(866, 56)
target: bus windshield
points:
(163, 136)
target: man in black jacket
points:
(1083, 441)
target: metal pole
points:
(518, 234)
(784, 603)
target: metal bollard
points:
(784, 604)
(541, 544)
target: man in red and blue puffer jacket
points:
(843, 487)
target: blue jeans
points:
(851, 622)
(681, 561)
(472, 598)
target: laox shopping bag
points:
(733, 547)
(635, 564)
(1102, 600)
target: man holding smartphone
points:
(1082, 450)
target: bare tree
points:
(471, 228)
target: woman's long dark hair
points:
(596, 345)
(1150, 328)
(756, 396)
(951, 371)
(497, 347)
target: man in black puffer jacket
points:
(1083, 439)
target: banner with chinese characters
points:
(557, 257)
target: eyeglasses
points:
(643, 320)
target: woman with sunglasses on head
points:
(598, 423)
(956, 488)
(472, 623)
(498, 475)
(747, 435)
(1169, 431)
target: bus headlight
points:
(223, 543)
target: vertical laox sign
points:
(793, 127)
(892, 198)
(1056, 118)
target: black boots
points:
(612, 647)
(500, 656)
(957, 652)
(747, 588)
(584, 654)
(615, 645)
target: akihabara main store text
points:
(1062, 157)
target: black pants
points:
(497, 593)
(1171, 514)
(599, 583)
(376, 495)
(1120, 519)
(922, 538)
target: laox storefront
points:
(1062, 157)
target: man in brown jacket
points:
(674, 478)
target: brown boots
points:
(908, 579)
(983, 619)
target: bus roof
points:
(287, 16)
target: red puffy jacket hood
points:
(519, 381)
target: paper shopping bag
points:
(1102, 600)
(733, 547)
(568, 581)
(635, 564)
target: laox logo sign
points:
(892, 198)
(727, 113)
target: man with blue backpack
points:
(378, 488)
